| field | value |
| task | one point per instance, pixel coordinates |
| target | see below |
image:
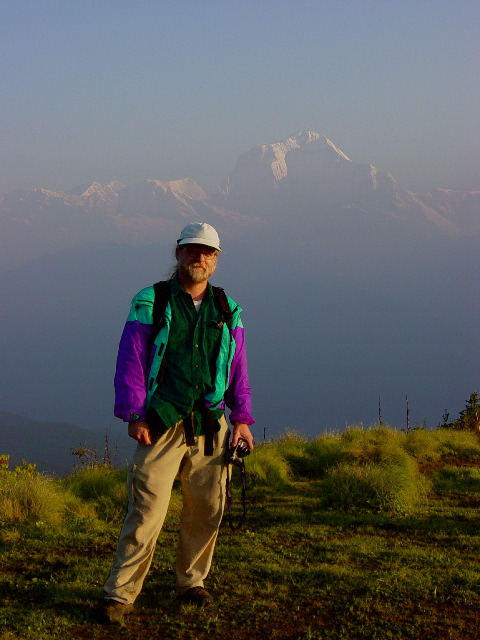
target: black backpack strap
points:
(162, 296)
(222, 301)
(160, 301)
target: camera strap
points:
(241, 465)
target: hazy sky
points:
(127, 90)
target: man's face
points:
(196, 262)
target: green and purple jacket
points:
(141, 351)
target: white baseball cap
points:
(199, 233)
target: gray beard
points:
(197, 274)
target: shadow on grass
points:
(301, 505)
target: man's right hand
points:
(139, 431)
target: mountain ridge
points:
(309, 163)
(49, 444)
(305, 172)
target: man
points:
(173, 379)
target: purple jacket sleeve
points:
(132, 370)
(238, 394)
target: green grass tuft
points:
(378, 445)
(460, 444)
(266, 466)
(92, 483)
(393, 489)
(30, 498)
(423, 445)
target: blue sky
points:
(127, 90)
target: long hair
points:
(173, 271)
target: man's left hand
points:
(241, 430)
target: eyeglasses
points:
(195, 251)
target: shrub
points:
(469, 418)
(4, 458)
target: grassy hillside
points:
(369, 534)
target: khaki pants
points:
(149, 485)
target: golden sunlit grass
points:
(372, 533)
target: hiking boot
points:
(197, 596)
(113, 612)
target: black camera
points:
(236, 454)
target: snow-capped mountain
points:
(33, 223)
(309, 172)
(304, 179)
(306, 156)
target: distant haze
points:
(355, 291)
(133, 90)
